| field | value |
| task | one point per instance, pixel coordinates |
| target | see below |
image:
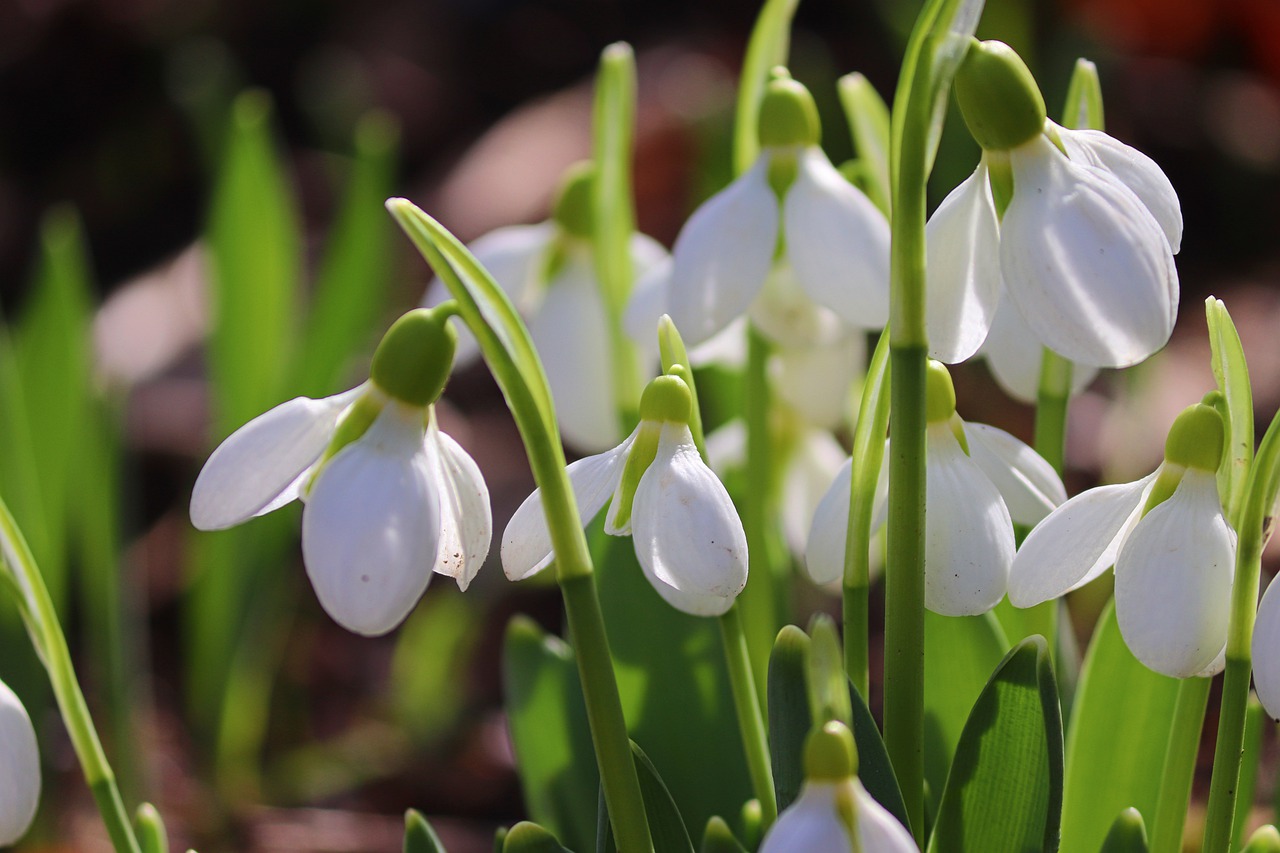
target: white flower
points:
(973, 500)
(1266, 651)
(1015, 355)
(1174, 565)
(813, 823)
(565, 313)
(19, 769)
(401, 500)
(687, 535)
(1084, 251)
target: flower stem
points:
(758, 600)
(618, 777)
(755, 739)
(1051, 408)
(1179, 765)
(46, 634)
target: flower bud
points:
(413, 361)
(666, 398)
(998, 97)
(830, 754)
(940, 393)
(788, 115)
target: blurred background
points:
(116, 122)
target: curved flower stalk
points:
(830, 243)
(687, 534)
(389, 498)
(1173, 551)
(834, 813)
(547, 271)
(979, 481)
(19, 769)
(1075, 228)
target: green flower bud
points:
(666, 398)
(788, 115)
(998, 97)
(1265, 840)
(574, 208)
(413, 361)
(940, 394)
(1196, 439)
(830, 754)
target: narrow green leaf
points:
(419, 837)
(433, 653)
(355, 271)
(1004, 791)
(499, 839)
(666, 826)
(1084, 98)
(827, 679)
(1232, 374)
(868, 118)
(874, 768)
(769, 45)
(1254, 723)
(1115, 751)
(718, 838)
(1128, 834)
(527, 837)
(790, 712)
(549, 732)
(960, 654)
(150, 829)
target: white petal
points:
(571, 334)
(1030, 487)
(646, 254)
(686, 531)
(722, 255)
(1135, 170)
(1084, 261)
(263, 459)
(513, 256)
(1266, 651)
(816, 380)
(526, 543)
(727, 447)
(812, 464)
(829, 532)
(812, 824)
(1015, 354)
(1076, 543)
(466, 522)
(969, 541)
(647, 304)
(785, 313)
(371, 527)
(878, 830)
(19, 769)
(963, 269)
(1173, 580)
(837, 242)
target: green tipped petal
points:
(413, 361)
(998, 97)
(1196, 438)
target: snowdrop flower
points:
(1266, 651)
(979, 480)
(687, 534)
(548, 272)
(1076, 228)
(389, 498)
(834, 242)
(1173, 552)
(833, 808)
(1015, 355)
(19, 769)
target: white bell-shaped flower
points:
(1084, 246)
(974, 493)
(1266, 651)
(19, 769)
(687, 535)
(548, 272)
(834, 261)
(1015, 356)
(1174, 564)
(389, 498)
(833, 807)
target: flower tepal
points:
(19, 769)
(389, 498)
(688, 538)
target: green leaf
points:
(1254, 722)
(718, 838)
(874, 768)
(1128, 834)
(960, 653)
(1004, 791)
(828, 684)
(433, 653)
(549, 731)
(527, 837)
(666, 826)
(868, 118)
(1084, 98)
(150, 829)
(790, 712)
(1232, 374)
(1115, 752)
(419, 837)
(351, 286)
(769, 45)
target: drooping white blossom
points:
(19, 769)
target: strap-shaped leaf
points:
(769, 45)
(1232, 374)
(790, 712)
(718, 838)
(666, 826)
(868, 118)
(1128, 834)
(1116, 741)
(1004, 791)
(874, 767)
(528, 837)
(419, 837)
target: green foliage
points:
(718, 838)
(419, 837)
(666, 825)
(150, 829)
(1128, 834)
(874, 768)
(1232, 375)
(526, 837)
(790, 712)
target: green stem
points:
(853, 612)
(1226, 757)
(609, 736)
(1051, 408)
(755, 738)
(1179, 765)
(51, 644)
